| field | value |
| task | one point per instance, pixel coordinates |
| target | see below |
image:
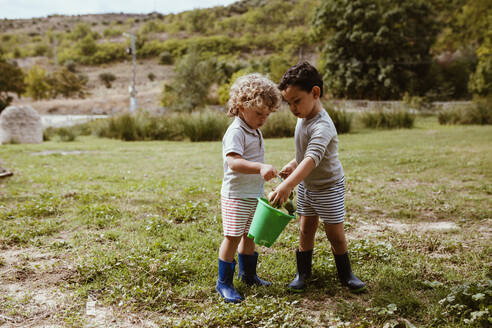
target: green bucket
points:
(267, 223)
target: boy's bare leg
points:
(307, 233)
(228, 248)
(247, 245)
(336, 236)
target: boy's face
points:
(301, 103)
(255, 118)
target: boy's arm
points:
(288, 169)
(283, 190)
(241, 165)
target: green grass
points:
(140, 224)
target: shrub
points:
(151, 76)
(142, 126)
(49, 133)
(280, 124)
(66, 134)
(341, 119)
(206, 126)
(388, 119)
(191, 84)
(165, 58)
(11, 81)
(478, 113)
(37, 86)
(107, 52)
(71, 66)
(109, 32)
(223, 90)
(107, 78)
(65, 83)
(277, 67)
(41, 50)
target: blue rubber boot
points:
(347, 278)
(224, 285)
(247, 270)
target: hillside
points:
(238, 34)
(81, 64)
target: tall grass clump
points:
(279, 125)
(142, 126)
(341, 119)
(388, 119)
(205, 126)
(200, 126)
(69, 133)
(479, 113)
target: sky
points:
(42, 8)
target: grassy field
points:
(101, 232)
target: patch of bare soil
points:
(365, 229)
(32, 294)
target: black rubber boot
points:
(224, 285)
(347, 278)
(304, 264)
(247, 270)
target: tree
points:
(190, 87)
(38, 86)
(475, 20)
(374, 49)
(11, 81)
(65, 83)
(107, 79)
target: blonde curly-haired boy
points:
(252, 98)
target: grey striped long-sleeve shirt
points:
(317, 138)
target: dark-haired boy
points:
(319, 174)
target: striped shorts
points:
(237, 214)
(328, 204)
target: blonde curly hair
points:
(253, 91)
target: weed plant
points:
(388, 119)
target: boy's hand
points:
(281, 194)
(286, 171)
(268, 172)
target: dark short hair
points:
(303, 75)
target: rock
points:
(20, 125)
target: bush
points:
(189, 89)
(388, 119)
(341, 119)
(151, 76)
(166, 58)
(66, 134)
(280, 124)
(142, 126)
(65, 83)
(207, 126)
(107, 78)
(11, 81)
(37, 86)
(41, 50)
(71, 66)
(479, 113)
